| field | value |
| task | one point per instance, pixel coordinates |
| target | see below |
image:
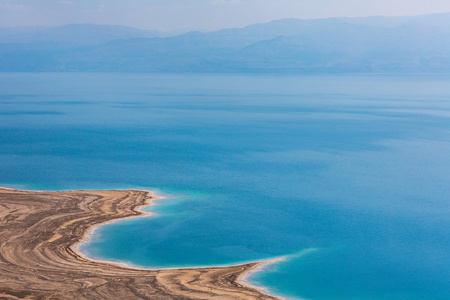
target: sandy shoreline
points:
(90, 231)
(41, 259)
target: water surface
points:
(348, 175)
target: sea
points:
(346, 176)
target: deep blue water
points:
(348, 175)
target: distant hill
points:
(74, 34)
(372, 44)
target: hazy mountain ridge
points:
(75, 34)
(373, 44)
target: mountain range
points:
(335, 45)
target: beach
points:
(40, 234)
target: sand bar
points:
(39, 232)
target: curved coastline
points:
(44, 230)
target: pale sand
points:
(41, 232)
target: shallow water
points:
(348, 175)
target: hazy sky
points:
(199, 14)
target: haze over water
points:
(347, 175)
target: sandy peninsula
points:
(39, 232)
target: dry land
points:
(39, 232)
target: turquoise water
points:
(349, 176)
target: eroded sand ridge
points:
(39, 229)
